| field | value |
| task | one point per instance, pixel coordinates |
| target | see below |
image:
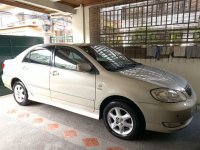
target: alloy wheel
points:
(120, 121)
(19, 93)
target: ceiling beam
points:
(25, 6)
(101, 2)
(110, 2)
(69, 4)
(47, 4)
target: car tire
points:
(20, 93)
(123, 121)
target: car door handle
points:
(55, 73)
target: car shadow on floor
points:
(156, 136)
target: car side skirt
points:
(94, 114)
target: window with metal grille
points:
(147, 23)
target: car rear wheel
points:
(122, 120)
(20, 93)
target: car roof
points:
(63, 44)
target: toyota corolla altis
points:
(99, 82)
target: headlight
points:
(168, 95)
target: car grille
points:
(188, 90)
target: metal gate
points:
(11, 46)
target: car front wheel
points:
(122, 120)
(20, 93)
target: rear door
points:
(35, 72)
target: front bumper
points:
(169, 117)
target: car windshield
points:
(109, 58)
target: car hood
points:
(155, 76)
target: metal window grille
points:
(146, 23)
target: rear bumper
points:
(7, 81)
(169, 117)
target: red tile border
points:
(52, 126)
(114, 148)
(12, 111)
(38, 120)
(67, 134)
(23, 115)
(90, 142)
(70, 134)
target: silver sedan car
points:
(99, 82)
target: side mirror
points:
(83, 67)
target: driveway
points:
(43, 127)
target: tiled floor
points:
(43, 127)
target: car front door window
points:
(68, 58)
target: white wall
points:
(78, 27)
(189, 69)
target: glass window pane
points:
(26, 59)
(40, 57)
(68, 58)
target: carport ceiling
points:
(53, 6)
(26, 6)
(76, 3)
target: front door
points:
(69, 86)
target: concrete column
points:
(80, 25)
(87, 25)
(46, 37)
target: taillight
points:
(3, 66)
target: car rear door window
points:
(41, 56)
